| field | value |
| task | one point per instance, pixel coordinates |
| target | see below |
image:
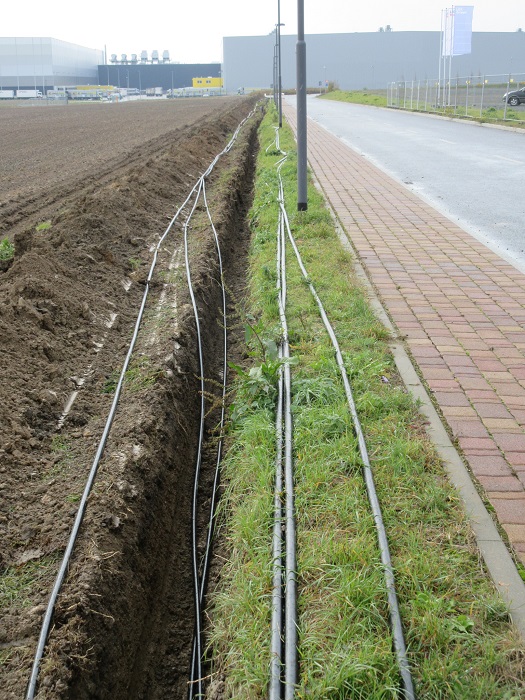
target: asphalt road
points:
(473, 174)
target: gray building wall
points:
(43, 62)
(368, 59)
(165, 75)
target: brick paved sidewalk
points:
(460, 308)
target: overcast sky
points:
(192, 31)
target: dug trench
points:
(124, 620)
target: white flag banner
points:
(462, 43)
(448, 31)
(457, 30)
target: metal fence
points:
(476, 97)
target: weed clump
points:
(7, 249)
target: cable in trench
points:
(201, 570)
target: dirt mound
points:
(49, 153)
(68, 305)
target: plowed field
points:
(86, 191)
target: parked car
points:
(516, 97)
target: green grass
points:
(460, 643)
(7, 249)
(498, 115)
(21, 588)
(378, 98)
(362, 97)
(43, 226)
(134, 264)
(140, 375)
(64, 456)
(490, 114)
(18, 583)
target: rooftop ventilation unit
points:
(166, 56)
(155, 56)
(143, 56)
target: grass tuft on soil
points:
(460, 642)
(7, 249)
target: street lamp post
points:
(275, 71)
(279, 81)
(302, 198)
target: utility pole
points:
(302, 198)
(275, 71)
(279, 80)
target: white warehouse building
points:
(366, 59)
(40, 63)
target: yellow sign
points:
(207, 82)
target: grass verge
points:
(362, 97)
(378, 98)
(460, 642)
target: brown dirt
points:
(49, 152)
(108, 179)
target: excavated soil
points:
(86, 192)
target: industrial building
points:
(42, 62)
(365, 59)
(351, 61)
(143, 76)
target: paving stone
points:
(520, 474)
(515, 459)
(500, 483)
(481, 445)
(493, 465)
(510, 442)
(509, 425)
(516, 533)
(451, 398)
(492, 410)
(436, 384)
(509, 511)
(458, 412)
(512, 388)
(468, 428)
(477, 384)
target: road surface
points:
(475, 175)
